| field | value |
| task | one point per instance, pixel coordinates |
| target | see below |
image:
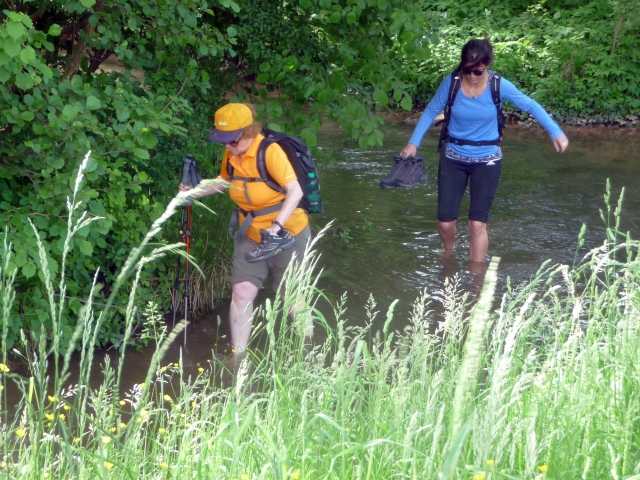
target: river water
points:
(384, 243)
(543, 200)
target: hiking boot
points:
(270, 245)
(400, 164)
(414, 173)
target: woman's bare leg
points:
(479, 243)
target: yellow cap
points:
(233, 116)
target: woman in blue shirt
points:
(473, 120)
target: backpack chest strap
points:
(248, 220)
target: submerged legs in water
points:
(478, 243)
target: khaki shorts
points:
(257, 273)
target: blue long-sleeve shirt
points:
(477, 119)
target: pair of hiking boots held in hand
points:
(406, 172)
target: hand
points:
(184, 188)
(273, 229)
(409, 151)
(561, 143)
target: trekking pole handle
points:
(186, 166)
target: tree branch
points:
(73, 64)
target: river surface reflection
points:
(543, 200)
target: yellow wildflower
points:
(62, 417)
(122, 425)
(122, 403)
(67, 407)
(200, 369)
(161, 430)
(3, 464)
(194, 404)
(164, 465)
(45, 475)
(543, 468)
(113, 429)
(4, 368)
(106, 440)
(51, 398)
(20, 432)
(76, 439)
(182, 415)
(480, 476)
(177, 406)
(111, 411)
(163, 369)
(187, 425)
(176, 364)
(233, 350)
(1, 387)
(244, 476)
(165, 438)
(49, 416)
(108, 465)
(167, 398)
(490, 463)
(142, 385)
(295, 475)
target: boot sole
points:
(272, 253)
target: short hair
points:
(255, 128)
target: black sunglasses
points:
(476, 72)
(232, 144)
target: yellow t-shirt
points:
(257, 195)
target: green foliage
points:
(345, 58)
(56, 104)
(578, 59)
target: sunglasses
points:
(476, 72)
(232, 144)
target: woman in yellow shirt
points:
(264, 243)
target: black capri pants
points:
(452, 183)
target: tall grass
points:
(540, 383)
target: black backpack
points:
(456, 80)
(300, 158)
(298, 154)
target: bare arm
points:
(294, 194)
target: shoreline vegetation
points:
(539, 383)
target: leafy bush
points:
(578, 59)
(56, 104)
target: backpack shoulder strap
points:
(454, 88)
(262, 163)
(495, 95)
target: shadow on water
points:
(384, 242)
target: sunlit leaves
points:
(15, 29)
(28, 55)
(11, 47)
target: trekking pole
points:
(190, 178)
